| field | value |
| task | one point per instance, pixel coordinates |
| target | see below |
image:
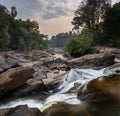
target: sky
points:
(53, 16)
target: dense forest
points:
(60, 39)
(95, 22)
(17, 34)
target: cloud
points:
(53, 16)
(25, 8)
(47, 9)
(56, 8)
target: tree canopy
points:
(89, 18)
(77, 46)
(18, 34)
(89, 14)
(111, 26)
(60, 39)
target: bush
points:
(78, 46)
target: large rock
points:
(98, 91)
(63, 109)
(52, 64)
(22, 110)
(94, 60)
(7, 63)
(30, 90)
(101, 89)
(116, 53)
(83, 109)
(14, 78)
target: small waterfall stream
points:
(79, 76)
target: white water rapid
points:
(80, 76)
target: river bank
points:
(54, 80)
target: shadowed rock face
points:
(63, 109)
(14, 78)
(84, 109)
(93, 61)
(22, 110)
(101, 89)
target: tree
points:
(60, 39)
(18, 34)
(111, 26)
(77, 46)
(13, 11)
(89, 15)
(5, 19)
(25, 35)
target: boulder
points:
(14, 78)
(91, 61)
(7, 63)
(114, 69)
(52, 64)
(29, 90)
(116, 53)
(104, 88)
(22, 110)
(63, 109)
(83, 109)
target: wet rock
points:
(116, 53)
(14, 78)
(40, 75)
(5, 66)
(63, 109)
(114, 69)
(52, 64)
(91, 61)
(37, 55)
(83, 109)
(29, 90)
(7, 63)
(22, 110)
(101, 89)
(75, 88)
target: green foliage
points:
(89, 18)
(26, 36)
(111, 26)
(5, 20)
(78, 46)
(18, 34)
(88, 14)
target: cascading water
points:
(31, 103)
(80, 76)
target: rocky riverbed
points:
(51, 85)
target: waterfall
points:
(80, 76)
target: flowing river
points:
(75, 76)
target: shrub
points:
(77, 46)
